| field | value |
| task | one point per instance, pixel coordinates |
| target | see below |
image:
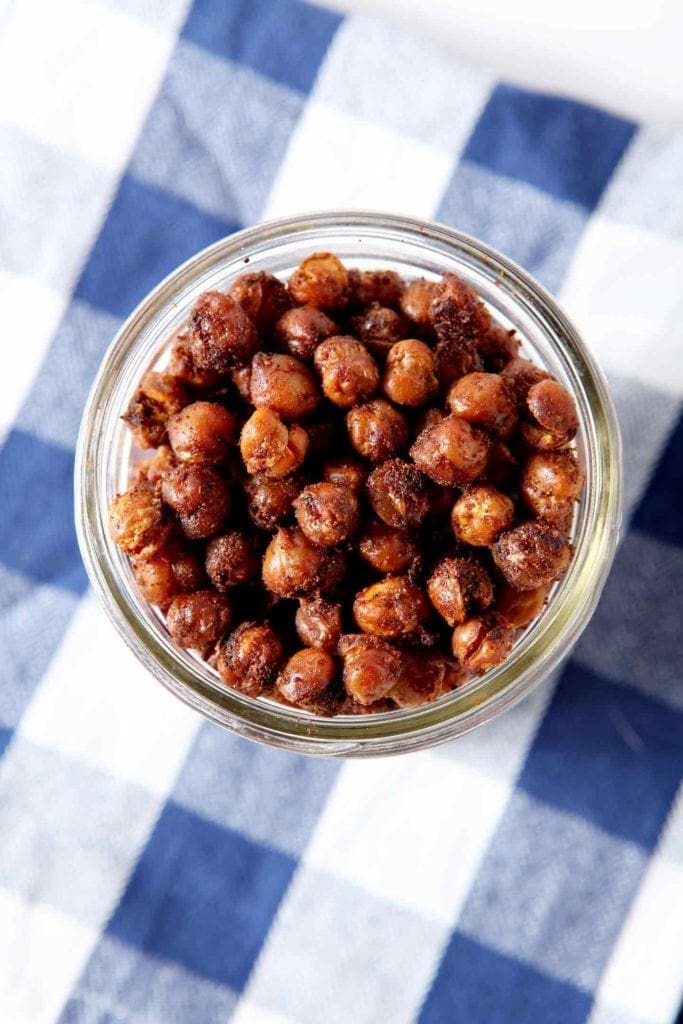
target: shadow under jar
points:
(415, 249)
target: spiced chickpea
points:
(521, 375)
(416, 300)
(451, 452)
(483, 642)
(270, 500)
(371, 667)
(322, 280)
(319, 623)
(283, 384)
(293, 566)
(386, 549)
(553, 421)
(520, 607)
(458, 587)
(369, 287)
(138, 522)
(181, 364)
(481, 514)
(306, 675)
(262, 296)
(379, 328)
(202, 432)
(550, 484)
(232, 559)
(454, 357)
(250, 658)
(456, 311)
(398, 494)
(420, 681)
(347, 472)
(410, 373)
(154, 469)
(201, 498)
(348, 372)
(173, 570)
(376, 429)
(327, 513)
(198, 620)
(393, 607)
(159, 396)
(497, 347)
(222, 335)
(241, 378)
(269, 446)
(532, 555)
(487, 400)
(300, 330)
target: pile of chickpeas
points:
(359, 491)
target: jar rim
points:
(540, 649)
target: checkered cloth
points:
(156, 870)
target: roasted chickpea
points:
(368, 287)
(202, 432)
(269, 446)
(250, 658)
(416, 300)
(241, 378)
(457, 312)
(376, 430)
(348, 372)
(319, 623)
(410, 373)
(497, 347)
(306, 675)
(198, 620)
(481, 514)
(379, 328)
(487, 400)
(138, 522)
(521, 375)
(532, 555)
(455, 357)
(398, 494)
(550, 484)
(301, 330)
(321, 280)
(201, 498)
(458, 587)
(421, 680)
(553, 419)
(154, 469)
(455, 675)
(172, 570)
(388, 550)
(520, 607)
(346, 472)
(371, 667)
(283, 384)
(483, 642)
(327, 513)
(159, 396)
(392, 608)
(293, 566)
(263, 297)
(451, 452)
(231, 559)
(181, 364)
(270, 500)
(222, 335)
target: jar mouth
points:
(421, 248)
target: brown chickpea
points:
(263, 297)
(458, 587)
(306, 675)
(532, 555)
(198, 620)
(200, 497)
(455, 675)
(172, 570)
(521, 375)
(454, 357)
(327, 513)
(550, 484)
(202, 432)
(421, 680)
(321, 280)
(379, 328)
(319, 623)
(348, 372)
(241, 378)
(520, 607)
(552, 412)
(371, 667)
(270, 500)
(388, 550)
(368, 287)
(346, 472)
(232, 559)
(250, 658)
(222, 335)
(283, 384)
(483, 642)
(138, 522)
(451, 452)
(487, 400)
(293, 566)
(497, 347)
(376, 430)
(398, 494)
(181, 364)
(392, 608)
(268, 446)
(154, 469)
(410, 373)
(457, 312)
(416, 300)
(481, 514)
(159, 396)
(301, 330)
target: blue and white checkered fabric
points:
(155, 870)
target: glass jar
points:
(366, 240)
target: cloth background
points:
(155, 870)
